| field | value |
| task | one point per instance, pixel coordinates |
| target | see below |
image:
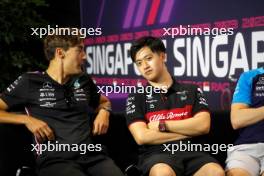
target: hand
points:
(154, 125)
(101, 122)
(40, 129)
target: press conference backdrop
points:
(209, 60)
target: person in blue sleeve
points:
(246, 157)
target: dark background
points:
(19, 51)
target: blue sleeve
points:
(243, 89)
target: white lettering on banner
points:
(203, 59)
(188, 61)
(223, 56)
(237, 62)
(108, 59)
(198, 56)
(257, 57)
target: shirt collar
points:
(173, 87)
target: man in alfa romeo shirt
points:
(157, 119)
(58, 103)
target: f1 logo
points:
(137, 8)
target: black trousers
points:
(96, 165)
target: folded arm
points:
(145, 136)
(199, 124)
(242, 115)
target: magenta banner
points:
(208, 43)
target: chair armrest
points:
(25, 171)
(132, 170)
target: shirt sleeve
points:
(16, 95)
(93, 93)
(85, 81)
(135, 109)
(242, 92)
(200, 103)
(95, 96)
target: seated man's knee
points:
(237, 171)
(161, 169)
(211, 169)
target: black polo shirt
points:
(65, 108)
(182, 101)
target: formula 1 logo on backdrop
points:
(136, 12)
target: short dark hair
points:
(52, 42)
(155, 44)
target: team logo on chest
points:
(183, 95)
(172, 114)
(150, 100)
(79, 95)
(259, 88)
(76, 84)
(47, 85)
(78, 92)
(47, 96)
(130, 105)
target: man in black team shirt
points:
(163, 119)
(58, 103)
